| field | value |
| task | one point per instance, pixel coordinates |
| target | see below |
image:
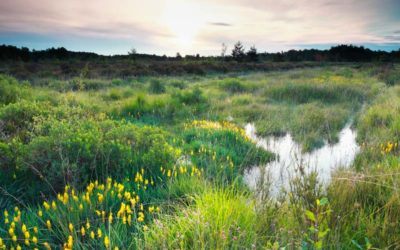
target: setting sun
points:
(184, 20)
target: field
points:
(157, 162)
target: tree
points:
(223, 50)
(238, 52)
(132, 52)
(178, 56)
(252, 54)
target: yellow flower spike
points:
(145, 228)
(99, 233)
(11, 231)
(100, 198)
(46, 205)
(48, 224)
(129, 220)
(106, 241)
(34, 240)
(14, 238)
(53, 205)
(65, 198)
(23, 228)
(71, 227)
(47, 245)
(27, 235)
(81, 207)
(116, 248)
(70, 242)
(19, 247)
(87, 224)
(92, 235)
(26, 242)
(16, 218)
(35, 230)
(83, 231)
(124, 220)
(110, 218)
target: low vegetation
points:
(159, 162)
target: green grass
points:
(179, 144)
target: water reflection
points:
(290, 158)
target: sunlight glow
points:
(184, 20)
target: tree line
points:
(340, 53)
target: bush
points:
(77, 151)
(178, 84)
(233, 86)
(156, 87)
(10, 90)
(17, 120)
(190, 97)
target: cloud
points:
(266, 23)
(220, 24)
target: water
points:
(290, 158)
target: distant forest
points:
(24, 63)
(340, 53)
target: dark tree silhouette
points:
(252, 55)
(238, 52)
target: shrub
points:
(178, 84)
(156, 87)
(77, 151)
(10, 90)
(190, 97)
(17, 119)
(233, 86)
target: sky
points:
(198, 26)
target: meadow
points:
(157, 162)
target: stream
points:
(290, 159)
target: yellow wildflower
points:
(47, 246)
(46, 205)
(106, 241)
(70, 242)
(53, 205)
